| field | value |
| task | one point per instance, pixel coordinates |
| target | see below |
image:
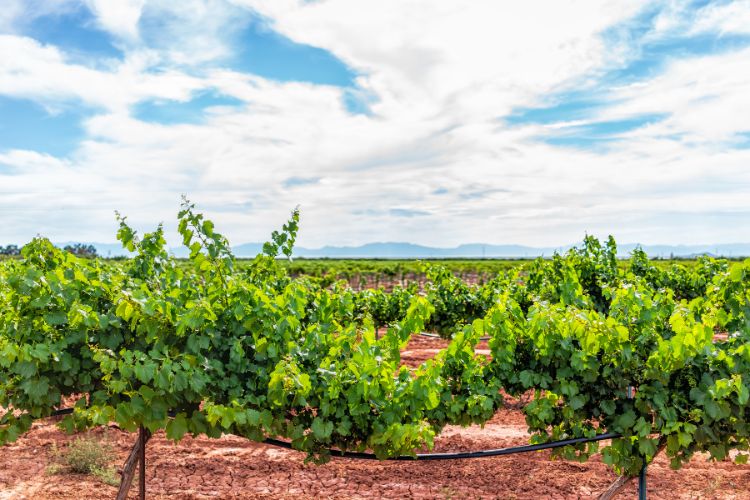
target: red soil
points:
(233, 467)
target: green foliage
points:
(455, 302)
(384, 307)
(210, 347)
(390, 271)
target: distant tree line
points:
(79, 249)
(10, 250)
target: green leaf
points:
(177, 427)
(743, 394)
(321, 429)
(144, 372)
(626, 421)
(56, 318)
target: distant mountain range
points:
(473, 250)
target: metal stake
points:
(642, 483)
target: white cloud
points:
(725, 17)
(31, 70)
(31, 161)
(478, 58)
(119, 17)
(9, 13)
(16, 14)
(705, 98)
(193, 32)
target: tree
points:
(10, 250)
(81, 250)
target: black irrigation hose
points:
(55, 413)
(434, 456)
(64, 411)
(459, 455)
(453, 456)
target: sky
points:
(436, 123)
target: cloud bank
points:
(400, 120)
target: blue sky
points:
(399, 120)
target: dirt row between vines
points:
(232, 467)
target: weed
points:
(85, 455)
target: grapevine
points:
(210, 347)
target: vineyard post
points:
(142, 469)
(137, 453)
(642, 483)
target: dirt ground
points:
(232, 467)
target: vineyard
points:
(657, 357)
(385, 273)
